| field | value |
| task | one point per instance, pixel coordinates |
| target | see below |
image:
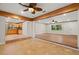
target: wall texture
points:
(70, 28)
(32, 28)
(2, 30)
(28, 28)
(78, 29)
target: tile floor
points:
(34, 47)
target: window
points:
(56, 27)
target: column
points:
(78, 31)
(2, 30)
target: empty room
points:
(39, 28)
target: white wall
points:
(67, 28)
(28, 28)
(78, 29)
(24, 28)
(32, 28)
(39, 28)
(70, 28)
(2, 30)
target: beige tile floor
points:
(34, 47)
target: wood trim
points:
(7, 14)
(66, 9)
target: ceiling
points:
(17, 9)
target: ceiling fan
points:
(53, 21)
(32, 7)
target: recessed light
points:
(16, 17)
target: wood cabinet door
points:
(70, 40)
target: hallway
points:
(35, 47)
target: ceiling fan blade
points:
(23, 5)
(25, 10)
(38, 9)
(32, 4)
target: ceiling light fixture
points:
(31, 9)
(54, 21)
(64, 14)
(16, 17)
